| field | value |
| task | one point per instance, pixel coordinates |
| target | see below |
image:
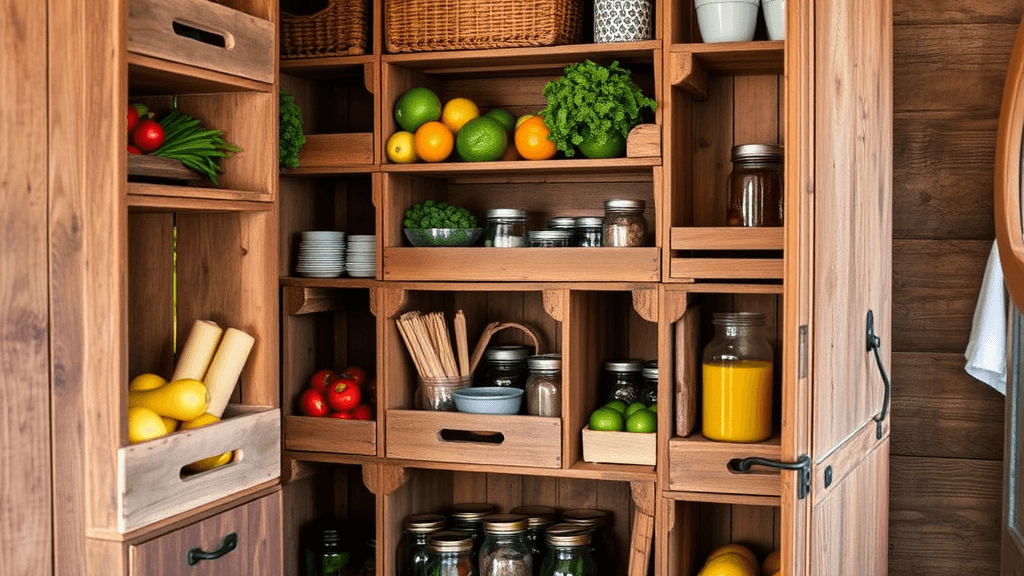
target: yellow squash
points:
(181, 399)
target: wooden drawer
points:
(256, 527)
(697, 464)
(475, 438)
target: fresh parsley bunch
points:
(290, 136)
(592, 101)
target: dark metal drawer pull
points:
(196, 555)
(802, 466)
(875, 343)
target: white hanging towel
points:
(986, 349)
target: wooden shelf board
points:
(346, 282)
(145, 203)
(485, 286)
(726, 268)
(742, 499)
(736, 58)
(339, 170)
(194, 192)
(726, 238)
(324, 68)
(723, 288)
(149, 76)
(576, 165)
(523, 264)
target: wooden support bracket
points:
(554, 304)
(293, 470)
(309, 300)
(675, 303)
(384, 479)
(642, 540)
(370, 77)
(686, 72)
(645, 302)
(644, 141)
(388, 302)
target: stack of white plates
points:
(321, 254)
(361, 260)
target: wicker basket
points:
(340, 29)
(426, 25)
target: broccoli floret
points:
(429, 203)
(290, 136)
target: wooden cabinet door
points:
(256, 526)
(839, 238)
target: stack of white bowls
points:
(361, 260)
(321, 254)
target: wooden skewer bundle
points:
(427, 339)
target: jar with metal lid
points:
(624, 223)
(737, 373)
(450, 554)
(602, 547)
(621, 381)
(412, 554)
(550, 238)
(506, 228)
(468, 517)
(504, 552)
(755, 186)
(544, 386)
(569, 552)
(506, 366)
(538, 519)
(565, 223)
(327, 557)
(589, 232)
(649, 388)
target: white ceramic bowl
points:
(727, 20)
(489, 400)
(775, 18)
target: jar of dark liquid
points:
(506, 366)
(468, 517)
(412, 551)
(755, 186)
(621, 381)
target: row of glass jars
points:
(525, 542)
(623, 225)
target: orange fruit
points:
(416, 107)
(532, 140)
(482, 139)
(433, 142)
(457, 112)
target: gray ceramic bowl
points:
(489, 400)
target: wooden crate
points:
(716, 249)
(697, 464)
(608, 447)
(474, 438)
(205, 35)
(333, 435)
(152, 486)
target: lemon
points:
(521, 119)
(457, 112)
(482, 139)
(606, 419)
(144, 382)
(617, 405)
(734, 548)
(642, 420)
(400, 149)
(633, 408)
(170, 423)
(144, 424)
(729, 564)
(504, 117)
(772, 563)
(416, 107)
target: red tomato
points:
(148, 135)
(322, 380)
(343, 396)
(356, 374)
(362, 412)
(312, 403)
(133, 150)
(346, 415)
(133, 118)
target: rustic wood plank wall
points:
(947, 430)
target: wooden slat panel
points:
(726, 238)
(935, 289)
(526, 264)
(336, 150)
(938, 410)
(918, 12)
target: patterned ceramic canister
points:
(623, 20)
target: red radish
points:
(148, 135)
(133, 150)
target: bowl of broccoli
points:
(433, 223)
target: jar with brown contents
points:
(755, 186)
(624, 223)
(449, 554)
(504, 552)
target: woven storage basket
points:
(337, 30)
(425, 25)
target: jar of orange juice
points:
(737, 370)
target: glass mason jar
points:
(565, 223)
(589, 232)
(649, 389)
(506, 228)
(568, 552)
(450, 554)
(550, 238)
(438, 394)
(624, 223)
(755, 186)
(621, 381)
(468, 517)
(506, 366)
(737, 373)
(504, 551)
(326, 557)
(544, 386)
(412, 554)
(538, 519)
(602, 547)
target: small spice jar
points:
(504, 551)
(544, 386)
(412, 550)
(449, 554)
(550, 238)
(621, 381)
(737, 374)
(564, 223)
(327, 557)
(568, 552)
(624, 223)
(649, 389)
(601, 545)
(438, 394)
(468, 517)
(589, 232)
(755, 186)
(538, 519)
(506, 366)
(506, 228)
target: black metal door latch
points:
(875, 344)
(802, 466)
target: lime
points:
(643, 420)
(617, 405)
(606, 419)
(482, 139)
(417, 107)
(612, 147)
(633, 408)
(504, 116)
